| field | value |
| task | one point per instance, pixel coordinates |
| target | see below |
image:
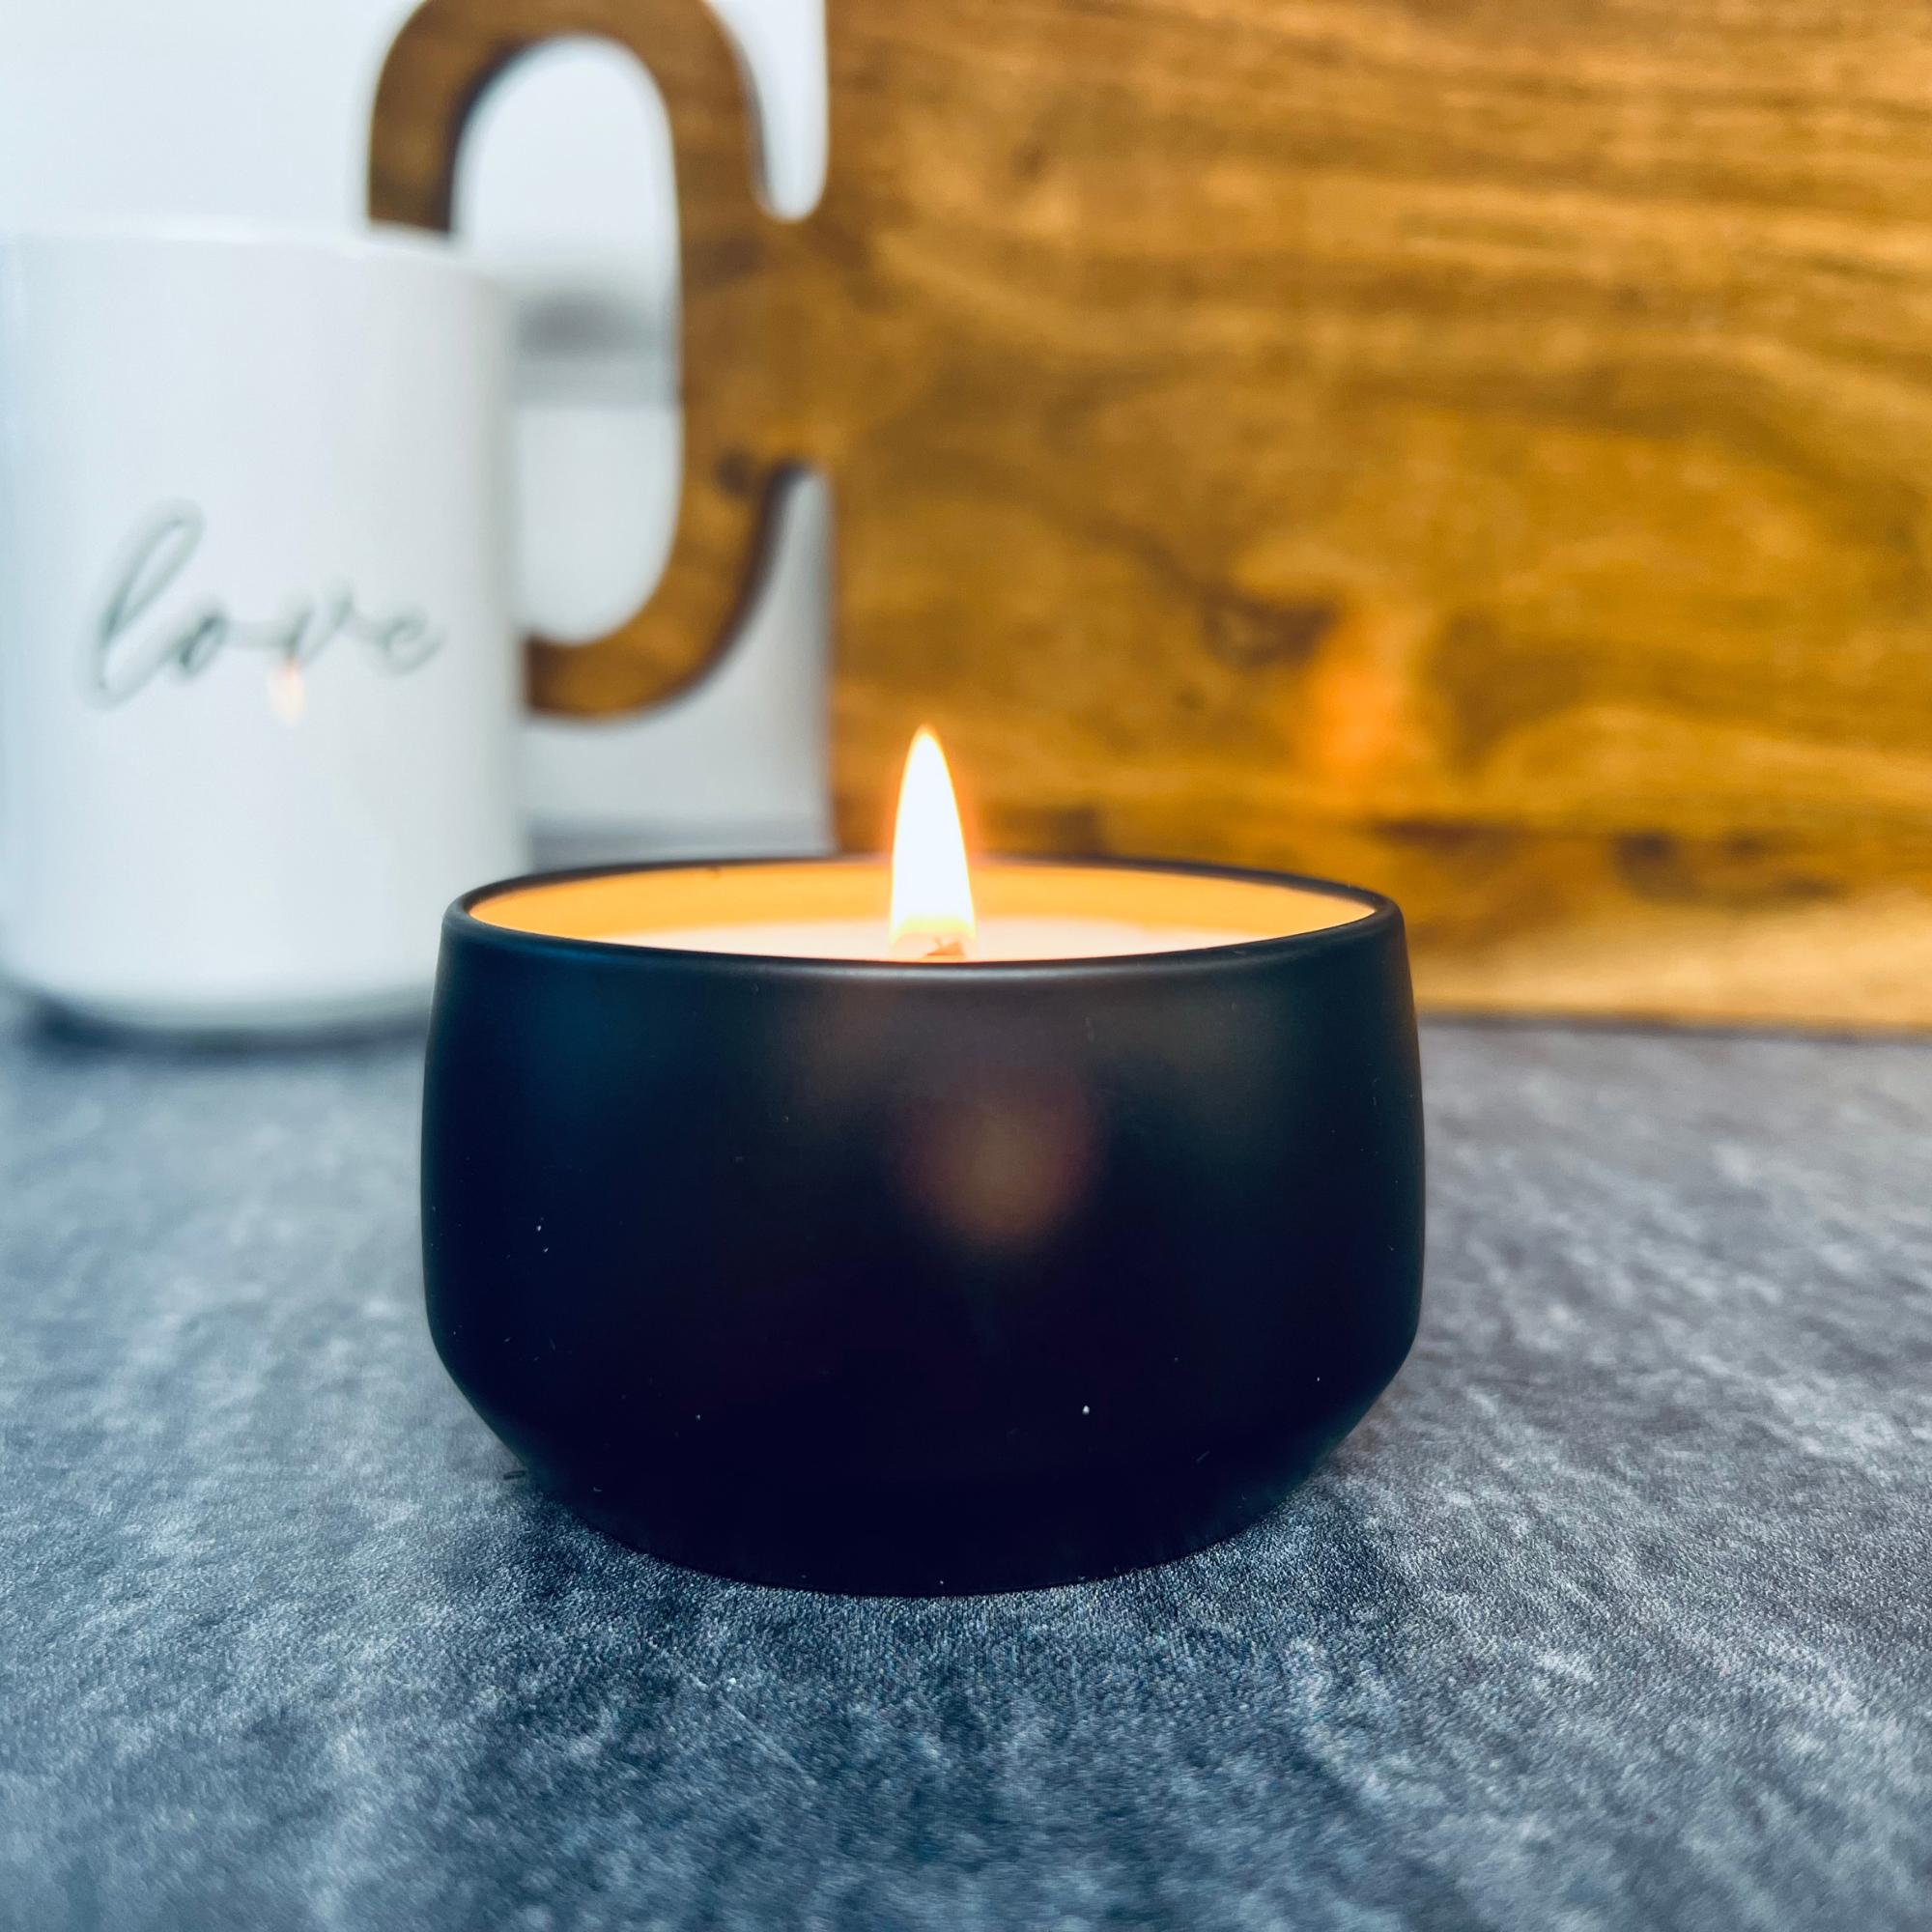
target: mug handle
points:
(438, 68)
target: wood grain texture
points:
(1481, 451)
(439, 67)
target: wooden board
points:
(1480, 451)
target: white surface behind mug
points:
(259, 688)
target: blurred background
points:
(113, 111)
(1286, 439)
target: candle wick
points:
(951, 947)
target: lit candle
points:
(922, 1228)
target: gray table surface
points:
(1614, 1612)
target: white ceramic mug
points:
(259, 674)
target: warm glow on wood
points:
(933, 893)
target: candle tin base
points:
(910, 1280)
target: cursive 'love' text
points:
(124, 652)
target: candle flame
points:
(288, 691)
(932, 890)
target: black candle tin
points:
(914, 1279)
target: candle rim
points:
(1377, 911)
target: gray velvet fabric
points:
(1613, 1614)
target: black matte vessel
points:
(914, 1279)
